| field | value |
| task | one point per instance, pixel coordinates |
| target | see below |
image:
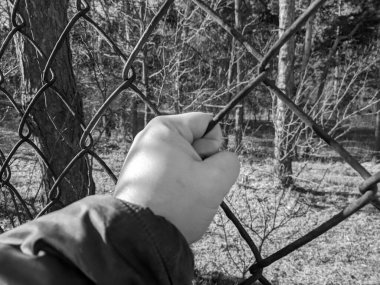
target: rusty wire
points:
(368, 187)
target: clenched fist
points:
(164, 171)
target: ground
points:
(274, 217)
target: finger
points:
(223, 168)
(210, 143)
(192, 126)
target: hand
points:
(165, 172)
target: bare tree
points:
(377, 127)
(285, 81)
(56, 131)
(307, 43)
(239, 113)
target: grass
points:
(347, 254)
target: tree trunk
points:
(134, 117)
(55, 130)
(182, 30)
(145, 78)
(307, 44)
(133, 104)
(239, 112)
(376, 156)
(285, 81)
(227, 125)
(336, 68)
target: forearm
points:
(104, 240)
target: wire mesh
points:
(368, 187)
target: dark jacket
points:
(98, 240)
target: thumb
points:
(224, 168)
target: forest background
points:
(330, 68)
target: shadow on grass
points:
(214, 278)
(325, 193)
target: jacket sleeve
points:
(99, 240)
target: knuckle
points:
(159, 128)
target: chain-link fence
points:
(367, 188)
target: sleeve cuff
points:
(111, 242)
